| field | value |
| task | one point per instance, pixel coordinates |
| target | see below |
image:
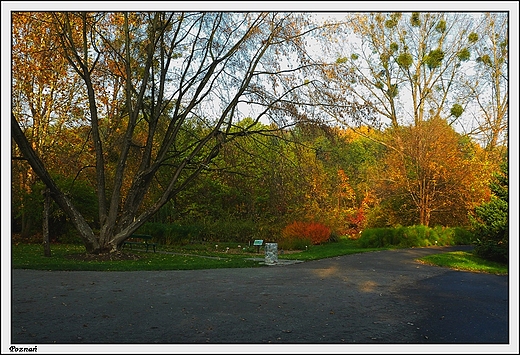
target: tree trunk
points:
(46, 208)
(26, 225)
(424, 215)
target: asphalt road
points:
(383, 297)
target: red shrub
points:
(315, 231)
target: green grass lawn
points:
(466, 261)
(328, 250)
(210, 256)
(73, 257)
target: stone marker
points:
(271, 253)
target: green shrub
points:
(239, 231)
(453, 236)
(294, 244)
(61, 229)
(69, 235)
(490, 220)
(492, 250)
(414, 236)
(334, 237)
(376, 237)
(462, 236)
(168, 234)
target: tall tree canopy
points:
(431, 173)
(489, 85)
(162, 94)
(394, 69)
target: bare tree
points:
(401, 68)
(489, 85)
(164, 95)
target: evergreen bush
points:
(490, 220)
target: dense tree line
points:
(331, 175)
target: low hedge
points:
(414, 236)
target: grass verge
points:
(222, 255)
(465, 261)
(189, 257)
(328, 250)
(74, 258)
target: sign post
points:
(257, 243)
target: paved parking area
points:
(383, 297)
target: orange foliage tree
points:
(46, 100)
(429, 170)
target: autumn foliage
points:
(356, 223)
(316, 232)
(121, 110)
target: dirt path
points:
(381, 297)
